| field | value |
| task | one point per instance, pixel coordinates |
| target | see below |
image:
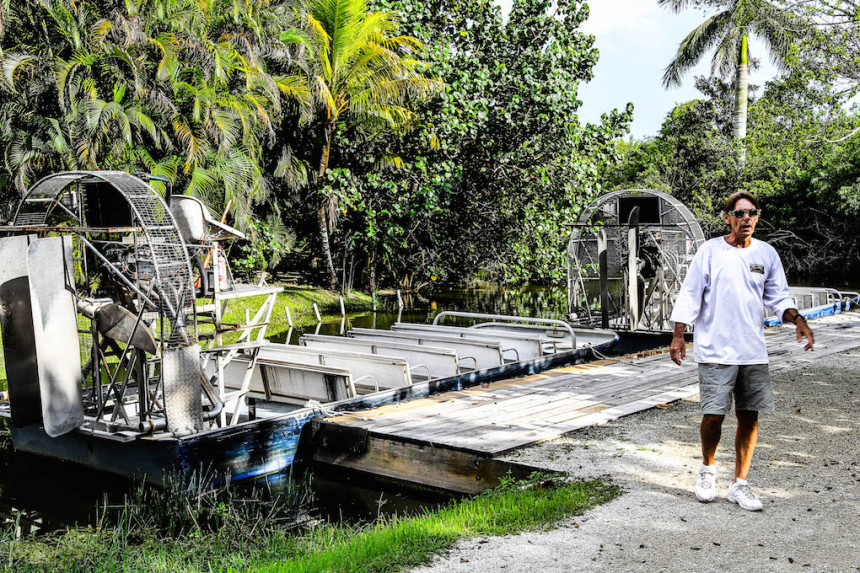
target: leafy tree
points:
(500, 163)
(728, 31)
(835, 48)
(807, 172)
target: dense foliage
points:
(406, 140)
(185, 89)
(498, 164)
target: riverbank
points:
(806, 469)
(300, 301)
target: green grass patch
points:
(300, 301)
(388, 545)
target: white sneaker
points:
(706, 483)
(741, 494)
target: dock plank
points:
(524, 399)
(520, 412)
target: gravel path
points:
(806, 469)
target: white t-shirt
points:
(724, 295)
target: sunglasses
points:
(741, 213)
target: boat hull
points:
(234, 453)
(817, 311)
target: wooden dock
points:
(474, 425)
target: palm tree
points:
(729, 31)
(363, 78)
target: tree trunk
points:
(322, 223)
(322, 208)
(741, 99)
(371, 269)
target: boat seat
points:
(196, 224)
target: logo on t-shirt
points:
(756, 268)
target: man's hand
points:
(678, 348)
(803, 330)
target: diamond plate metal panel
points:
(55, 326)
(183, 400)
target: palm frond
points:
(169, 63)
(144, 122)
(695, 45)
(780, 30)
(727, 55)
(11, 65)
(391, 160)
(100, 30)
(203, 182)
(676, 5)
(229, 127)
(291, 170)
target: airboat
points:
(119, 357)
(628, 255)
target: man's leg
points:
(710, 431)
(745, 441)
(715, 390)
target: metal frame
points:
(671, 244)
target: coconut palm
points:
(729, 31)
(363, 78)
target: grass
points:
(241, 544)
(299, 299)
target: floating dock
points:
(450, 439)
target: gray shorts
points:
(750, 384)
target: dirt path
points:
(806, 469)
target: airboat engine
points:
(627, 257)
(105, 244)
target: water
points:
(534, 301)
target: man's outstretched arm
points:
(803, 330)
(678, 348)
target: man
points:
(729, 281)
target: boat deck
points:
(497, 417)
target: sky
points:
(637, 39)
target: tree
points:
(729, 30)
(836, 46)
(799, 164)
(690, 158)
(500, 162)
(364, 79)
(185, 89)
